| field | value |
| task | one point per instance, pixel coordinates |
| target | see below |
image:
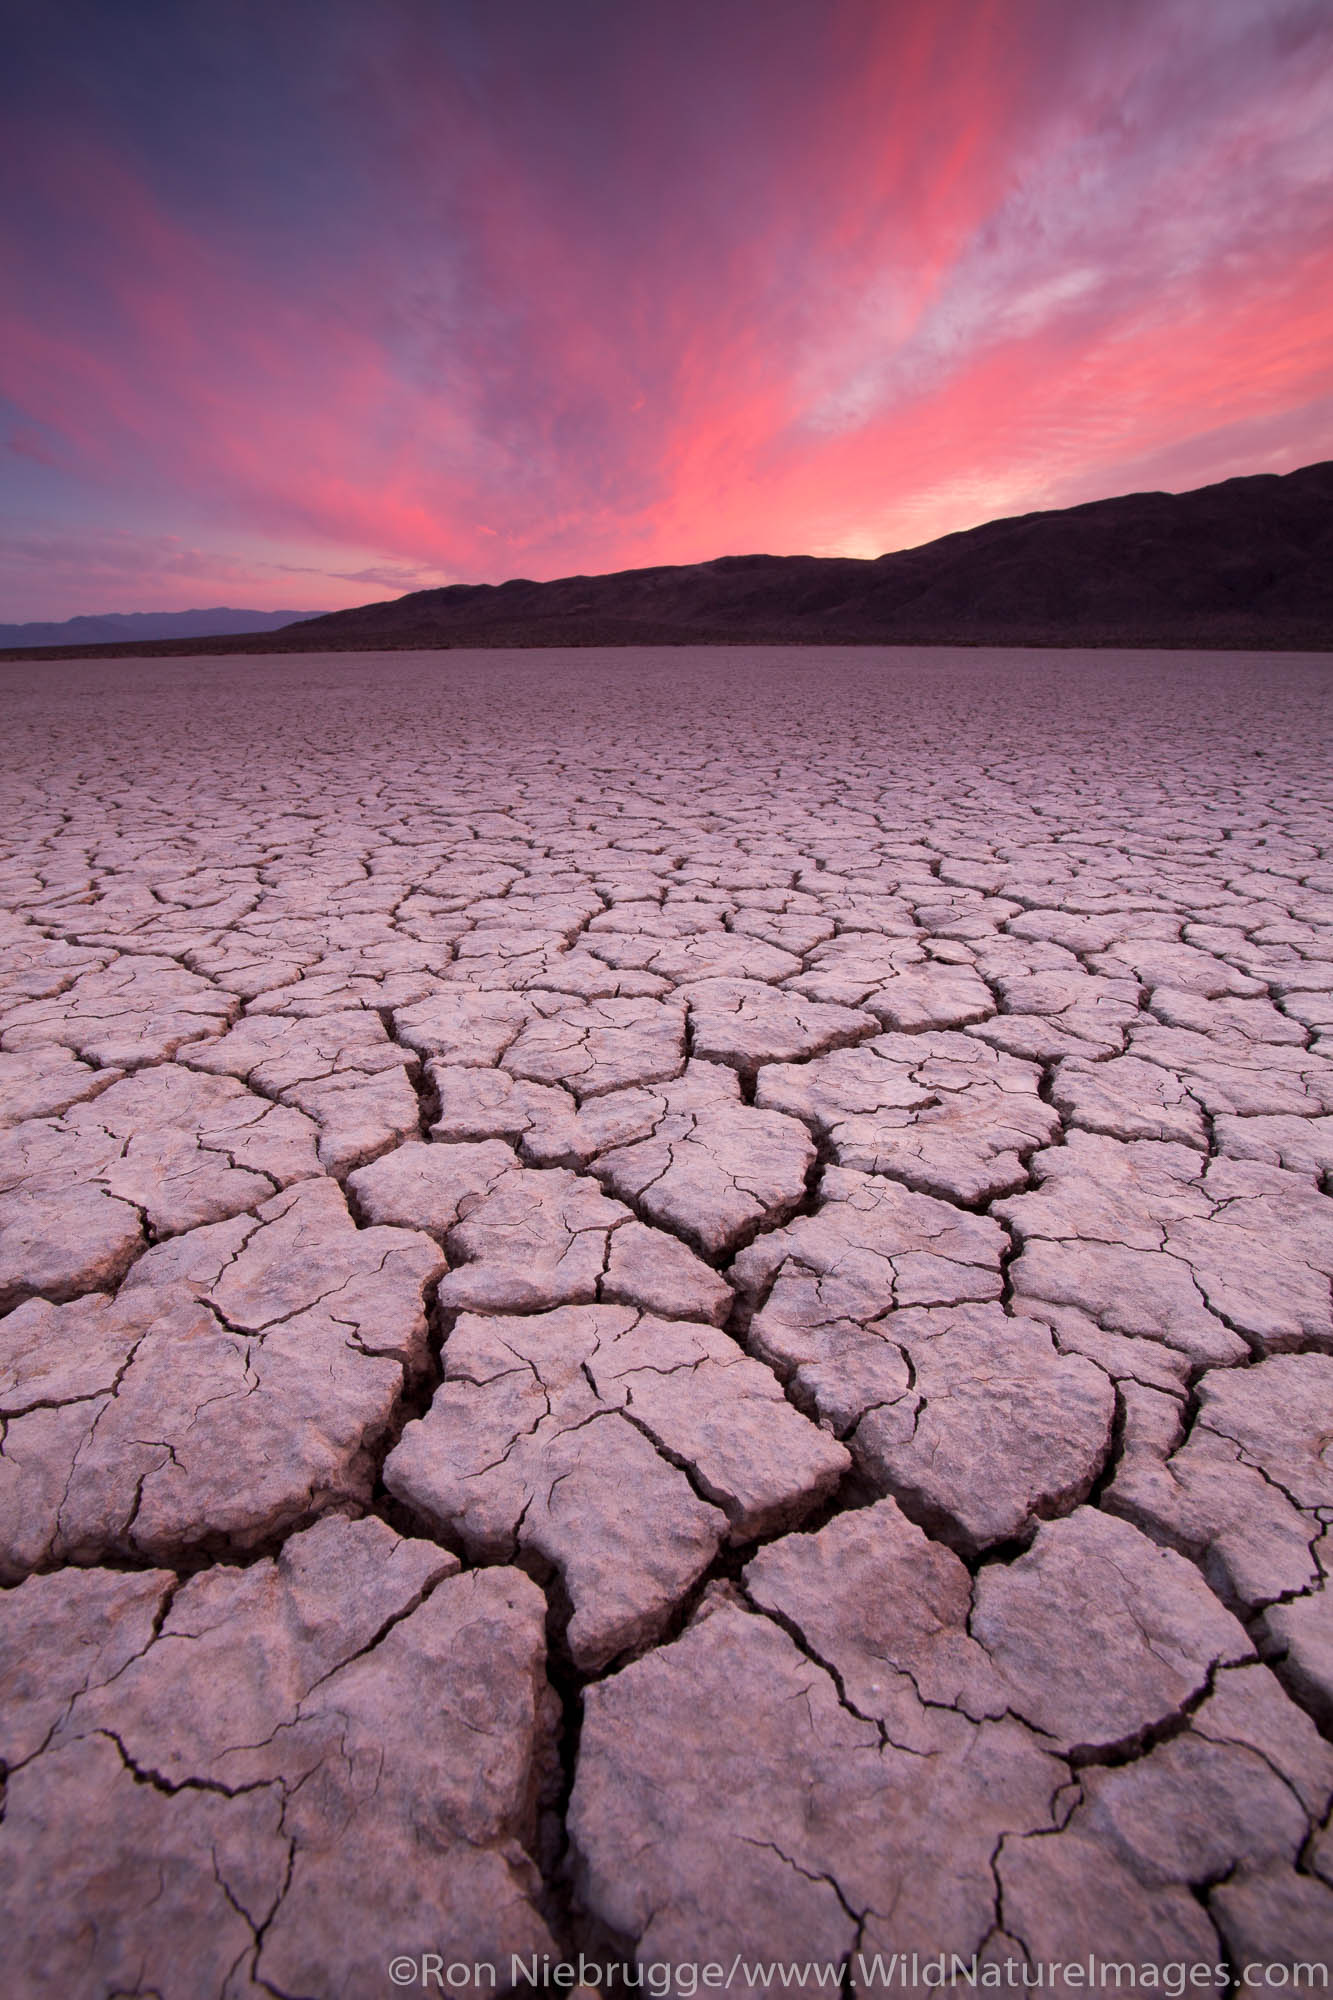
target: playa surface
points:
(669, 1303)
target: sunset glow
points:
(316, 304)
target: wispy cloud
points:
(469, 292)
(394, 576)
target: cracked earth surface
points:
(673, 1303)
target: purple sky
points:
(315, 303)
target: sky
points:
(314, 303)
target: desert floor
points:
(668, 1303)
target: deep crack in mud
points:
(675, 1304)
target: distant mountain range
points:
(1247, 563)
(118, 627)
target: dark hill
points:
(1247, 563)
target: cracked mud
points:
(676, 1304)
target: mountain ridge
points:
(1247, 562)
(120, 627)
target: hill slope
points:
(1247, 563)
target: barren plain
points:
(670, 1303)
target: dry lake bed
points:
(672, 1305)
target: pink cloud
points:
(948, 261)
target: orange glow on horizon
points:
(954, 270)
